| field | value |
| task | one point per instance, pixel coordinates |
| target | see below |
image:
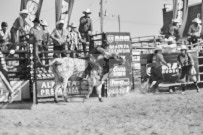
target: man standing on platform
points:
(86, 28)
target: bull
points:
(97, 70)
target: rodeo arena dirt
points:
(73, 81)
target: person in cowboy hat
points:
(19, 26)
(156, 69)
(85, 28)
(36, 37)
(46, 39)
(172, 30)
(5, 36)
(60, 37)
(186, 62)
(194, 31)
(75, 39)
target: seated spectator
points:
(194, 31)
(5, 37)
(173, 30)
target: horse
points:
(64, 68)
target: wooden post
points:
(101, 15)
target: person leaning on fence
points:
(60, 37)
(75, 39)
(186, 62)
(36, 37)
(46, 39)
(156, 69)
(173, 30)
(86, 28)
(18, 27)
(194, 31)
(5, 37)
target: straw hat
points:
(175, 20)
(159, 48)
(43, 23)
(73, 25)
(87, 11)
(197, 20)
(24, 11)
(60, 22)
(183, 47)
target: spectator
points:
(19, 26)
(4, 37)
(60, 38)
(46, 39)
(86, 28)
(173, 29)
(36, 36)
(75, 38)
(194, 31)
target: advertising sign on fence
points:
(120, 78)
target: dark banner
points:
(120, 78)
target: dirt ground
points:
(132, 114)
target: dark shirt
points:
(186, 60)
(85, 24)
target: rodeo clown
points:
(186, 62)
(156, 69)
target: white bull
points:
(64, 68)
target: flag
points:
(184, 17)
(63, 10)
(33, 7)
(175, 9)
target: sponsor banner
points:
(118, 91)
(63, 10)
(45, 88)
(33, 6)
(119, 82)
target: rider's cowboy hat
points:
(175, 20)
(36, 20)
(43, 23)
(159, 48)
(197, 20)
(87, 11)
(60, 22)
(24, 11)
(183, 47)
(73, 25)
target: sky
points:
(139, 17)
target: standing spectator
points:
(75, 38)
(18, 27)
(173, 30)
(36, 36)
(4, 37)
(60, 38)
(194, 31)
(46, 39)
(186, 62)
(86, 28)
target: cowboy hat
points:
(73, 25)
(60, 22)
(197, 20)
(87, 11)
(183, 47)
(43, 23)
(175, 20)
(159, 48)
(36, 20)
(24, 11)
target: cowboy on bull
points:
(186, 62)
